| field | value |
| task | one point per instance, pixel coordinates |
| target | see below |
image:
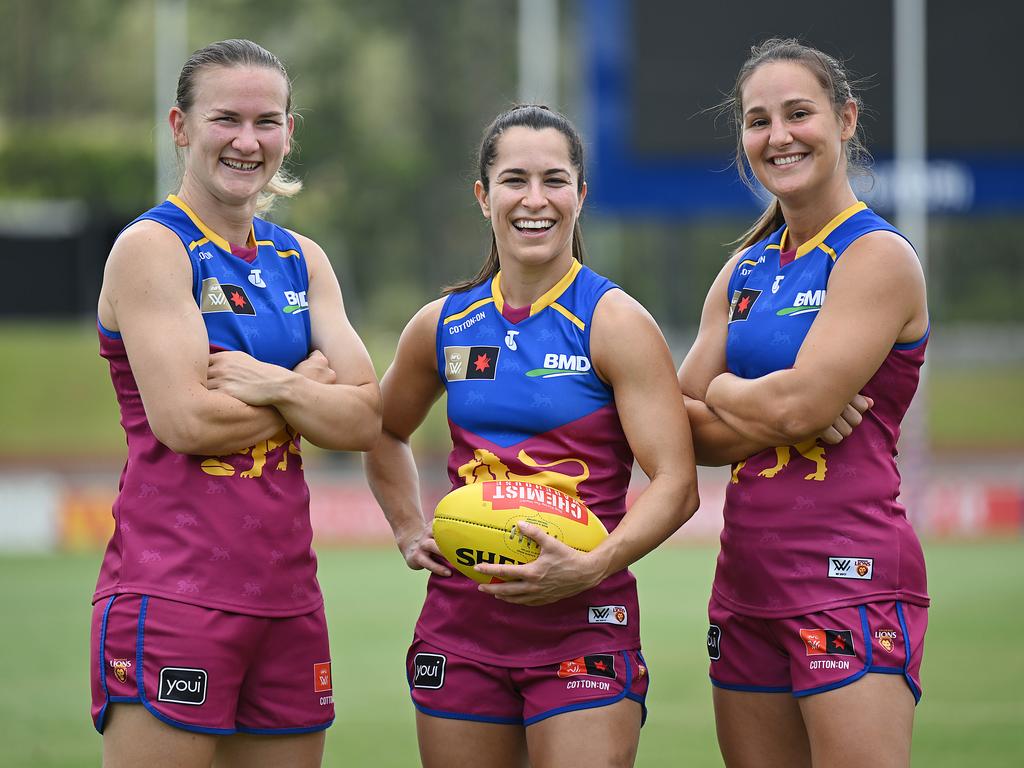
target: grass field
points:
(972, 713)
(56, 399)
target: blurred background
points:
(392, 96)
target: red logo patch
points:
(322, 677)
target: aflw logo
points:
(561, 365)
(607, 614)
(850, 567)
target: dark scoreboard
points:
(656, 70)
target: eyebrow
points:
(788, 103)
(233, 113)
(524, 172)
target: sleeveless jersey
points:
(524, 403)
(225, 532)
(811, 527)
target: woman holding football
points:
(808, 355)
(553, 375)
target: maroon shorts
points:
(210, 671)
(817, 652)
(444, 684)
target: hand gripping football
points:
(477, 523)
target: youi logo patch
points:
(428, 670)
(182, 685)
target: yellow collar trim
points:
(825, 231)
(212, 236)
(549, 296)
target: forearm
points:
(715, 443)
(394, 480)
(776, 409)
(658, 512)
(340, 417)
(215, 425)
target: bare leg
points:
(760, 729)
(446, 743)
(246, 750)
(602, 737)
(866, 723)
(133, 737)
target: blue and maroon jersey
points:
(226, 532)
(524, 403)
(811, 527)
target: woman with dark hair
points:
(227, 338)
(570, 380)
(808, 355)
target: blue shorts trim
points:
(593, 704)
(286, 731)
(471, 718)
(750, 688)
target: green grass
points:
(972, 712)
(56, 399)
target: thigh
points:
(450, 743)
(288, 687)
(599, 737)
(133, 737)
(243, 750)
(866, 723)
(760, 729)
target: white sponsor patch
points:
(851, 568)
(608, 614)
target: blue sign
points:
(637, 168)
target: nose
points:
(245, 141)
(780, 135)
(534, 195)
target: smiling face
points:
(793, 138)
(236, 132)
(533, 198)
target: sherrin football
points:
(477, 524)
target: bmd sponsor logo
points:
(428, 670)
(296, 302)
(182, 685)
(806, 301)
(556, 364)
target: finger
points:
(852, 416)
(508, 573)
(430, 546)
(861, 403)
(542, 538)
(831, 436)
(432, 565)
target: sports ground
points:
(972, 712)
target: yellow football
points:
(477, 523)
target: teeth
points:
(788, 160)
(534, 223)
(238, 165)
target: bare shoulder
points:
(423, 325)
(616, 309)
(144, 245)
(884, 251)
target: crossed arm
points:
(875, 299)
(198, 405)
